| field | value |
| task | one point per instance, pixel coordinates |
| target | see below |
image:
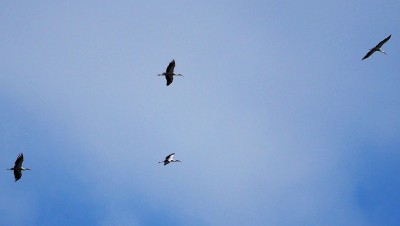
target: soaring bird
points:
(169, 73)
(18, 167)
(377, 48)
(169, 159)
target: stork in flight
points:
(377, 48)
(169, 73)
(18, 167)
(169, 159)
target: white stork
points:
(377, 48)
(18, 167)
(169, 159)
(169, 73)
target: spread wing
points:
(17, 174)
(369, 54)
(169, 78)
(170, 157)
(171, 66)
(383, 42)
(18, 162)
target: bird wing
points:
(171, 66)
(17, 174)
(369, 54)
(18, 162)
(383, 42)
(170, 157)
(169, 78)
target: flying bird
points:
(377, 48)
(169, 159)
(18, 167)
(169, 73)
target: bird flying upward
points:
(377, 48)
(169, 73)
(169, 159)
(18, 167)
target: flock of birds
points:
(169, 73)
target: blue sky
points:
(277, 120)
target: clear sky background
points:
(277, 120)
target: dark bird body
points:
(169, 159)
(18, 167)
(169, 73)
(377, 48)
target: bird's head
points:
(27, 169)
